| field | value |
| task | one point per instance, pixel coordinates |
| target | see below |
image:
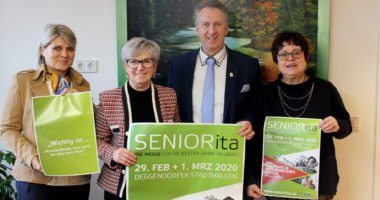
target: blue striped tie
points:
(208, 93)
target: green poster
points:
(186, 161)
(291, 157)
(65, 134)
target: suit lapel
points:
(188, 84)
(231, 74)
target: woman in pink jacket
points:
(138, 100)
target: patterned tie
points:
(208, 93)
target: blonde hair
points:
(210, 4)
(53, 31)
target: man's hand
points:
(246, 130)
(254, 191)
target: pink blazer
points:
(111, 113)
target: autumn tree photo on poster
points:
(253, 25)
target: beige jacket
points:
(16, 125)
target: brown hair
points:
(290, 37)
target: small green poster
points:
(65, 134)
(291, 157)
(186, 161)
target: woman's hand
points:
(329, 125)
(36, 165)
(68, 91)
(246, 130)
(254, 191)
(124, 156)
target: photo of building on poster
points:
(291, 157)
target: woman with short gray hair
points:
(138, 100)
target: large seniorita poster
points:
(186, 162)
(291, 157)
(65, 134)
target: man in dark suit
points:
(237, 76)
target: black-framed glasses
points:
(283, 55)
(146, 63)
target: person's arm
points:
(110, 154)
(11, 127)
(253, 159)
(254, 154)
(104, 136)
(177, 117)
(339, 123)
(255, 86)
(254, 92)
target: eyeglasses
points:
(146, 63)
(283, 55)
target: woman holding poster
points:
(54, 76)
(138, 100)
(297, 93)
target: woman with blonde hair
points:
(55, 76)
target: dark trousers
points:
(110, 196)
(32, 191)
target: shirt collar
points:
(45, 73)
(219, 57)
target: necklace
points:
(285, 105)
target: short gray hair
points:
(53, 31)
(138, 45)
(210, 4)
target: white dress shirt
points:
(220, 85)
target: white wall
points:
(93, 21)
(354, 62)
(354, 55)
